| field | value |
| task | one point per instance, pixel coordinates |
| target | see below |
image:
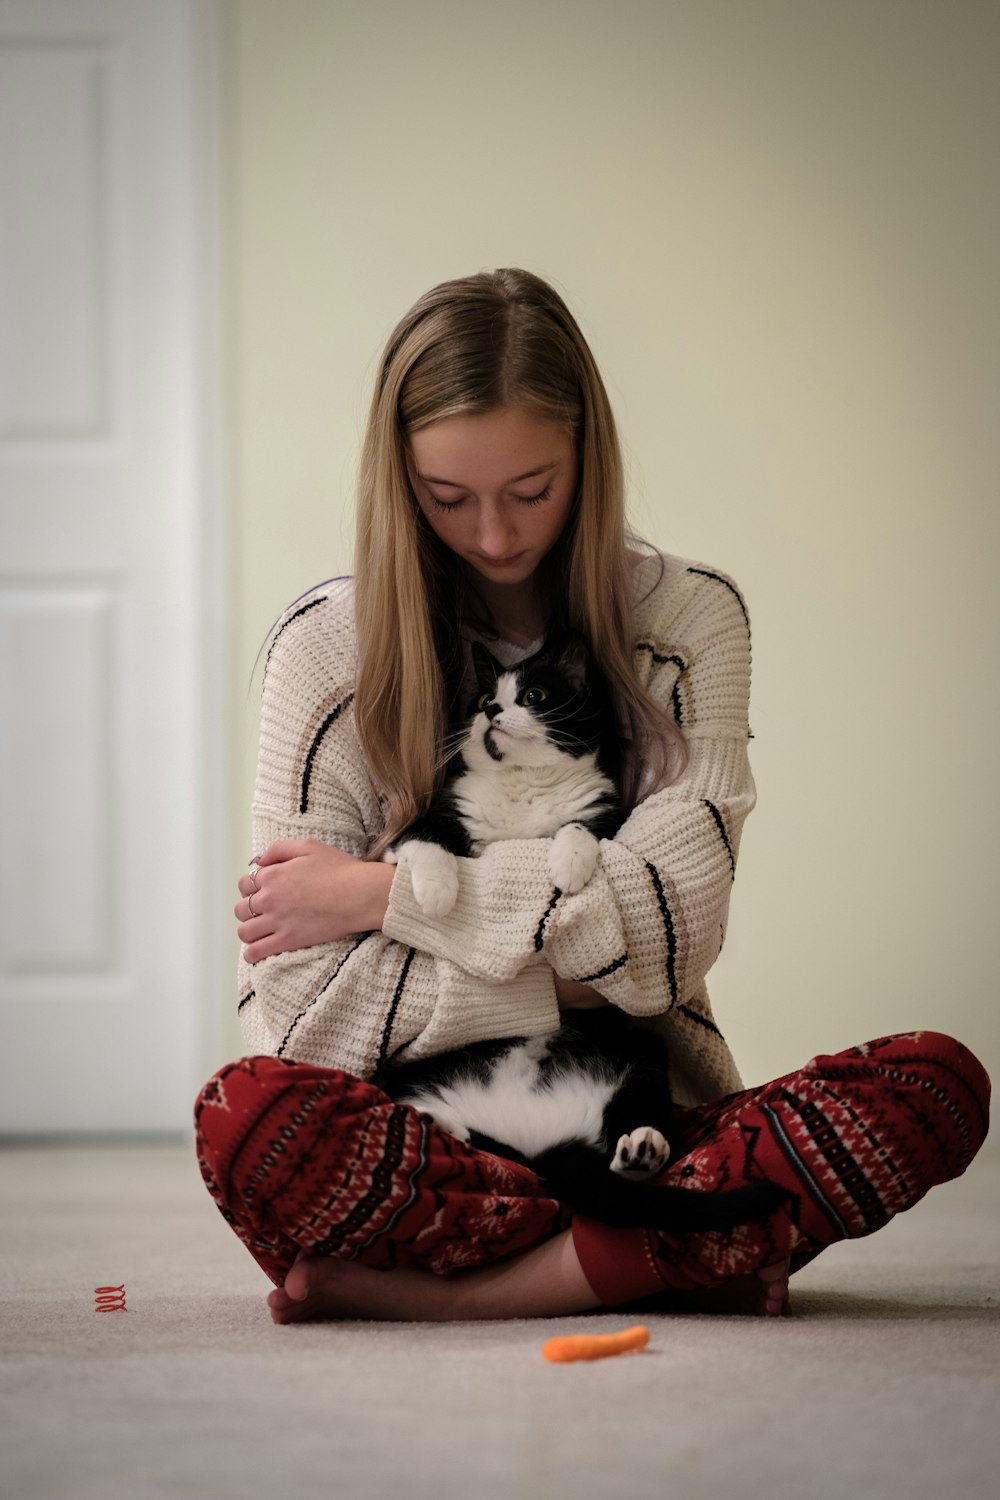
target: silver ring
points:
(250, 907)
(254, 869)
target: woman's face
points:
(497, 488)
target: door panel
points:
(106, 753)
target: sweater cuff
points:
(618, 1263)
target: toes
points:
(643, 1152)
(283, 1308)
(773, 1281)
(296, 1286)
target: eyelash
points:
(522, 499)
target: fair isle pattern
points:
(856, 1138)
(301, 1157)
(311, 1158)
(646, 928)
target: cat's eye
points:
(531, 697)
(482, 700)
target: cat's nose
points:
(491, 710)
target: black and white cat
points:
(539, 759)
(587, 1106)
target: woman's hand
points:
(303, 892)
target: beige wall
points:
(777, 224)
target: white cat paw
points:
(434, 873)
(641, 1154)
(573, 858)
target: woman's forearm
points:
(300, 893)
(572, 995)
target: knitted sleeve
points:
(651, 921)
(355, 1003)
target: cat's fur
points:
(524, 770)
(588, 1106)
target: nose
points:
(495, 530)
(491, 710)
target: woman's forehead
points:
(500, 447)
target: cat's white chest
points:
(514, 803)
(514, 1105)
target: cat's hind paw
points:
(573, 857)
(434, 874)
(641, 1154)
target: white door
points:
(109, 566)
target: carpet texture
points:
(884, 1383)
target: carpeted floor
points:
(884, 1383)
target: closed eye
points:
(535, 499)
(447, 505)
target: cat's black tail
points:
(579, 1175)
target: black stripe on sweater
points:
(245, 1001)
(322, 991)
(694, 1015)
(659, 657)
(285, 623)
(668, 925)
(327, 723)
(383, 1051)
(720, 825)
(704, 573)
(540, 930)
(603, 973)
(661, 660)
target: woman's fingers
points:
(254, 930)
(283, 849)
(263, 947)
(251, 913)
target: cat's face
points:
(534, 714)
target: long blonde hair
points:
(500, 338)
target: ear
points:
(574, 660)
(487, 668)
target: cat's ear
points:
(573, 660)
(487, 668)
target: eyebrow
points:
(451, 485)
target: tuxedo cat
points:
(539, 759)
(588, 1106)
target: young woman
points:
(491, 506)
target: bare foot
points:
(322, 1287)
(543, 1282)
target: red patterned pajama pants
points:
(303, 1157)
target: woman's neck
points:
(517, 610)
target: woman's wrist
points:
(374, 883)
(572, 995)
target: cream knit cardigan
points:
(644, 931)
